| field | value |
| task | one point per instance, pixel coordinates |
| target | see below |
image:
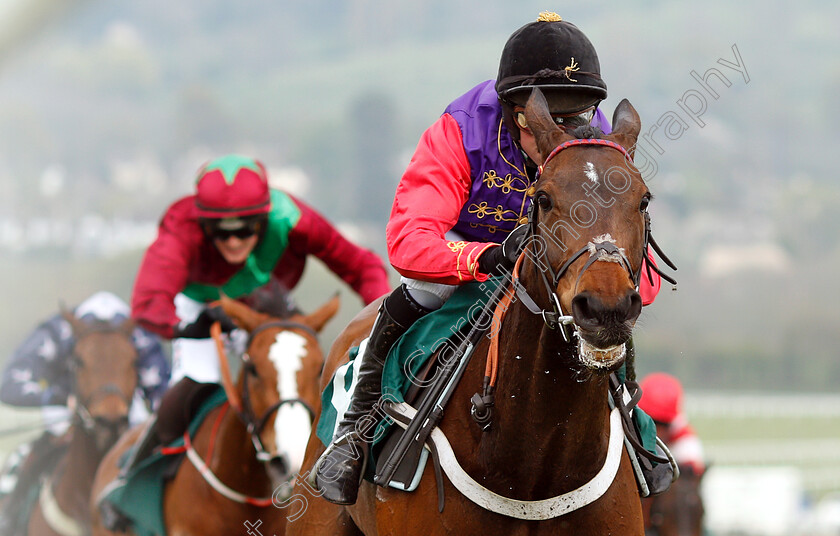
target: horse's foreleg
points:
(105, 474)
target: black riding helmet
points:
(555, 56)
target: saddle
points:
(139, 495)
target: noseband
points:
(600, 248)
(254, 424)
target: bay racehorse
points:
(105, 377)
(678, 511)
(552, 460)
(245, 453)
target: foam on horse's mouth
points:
(598, 358)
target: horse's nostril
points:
(589, 311)
(634, 308)
(585, 310)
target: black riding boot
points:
(340, 468)
(177, 407)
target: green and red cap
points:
(232, 186)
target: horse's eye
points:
(645, 202)
(544, 201)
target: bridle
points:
(245, 411)
(88, 421)
(598, 250)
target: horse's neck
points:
(546, 411)
(234, 458)
(537, 375)
(73, 477)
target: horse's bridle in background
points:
(89, 422)
(242, 405)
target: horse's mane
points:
(92, 324)
(587, 132)
(274, 299)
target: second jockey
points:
(233, 236)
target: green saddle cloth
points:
(410, 352)
(141, 497)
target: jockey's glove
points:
(500, 260)
(200, 327)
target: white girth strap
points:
(530, 510)
(217, 484)
(56, 518)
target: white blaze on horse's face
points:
(291, 424)
(589, 171)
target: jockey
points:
(473, 174)
(38, 375)
(235, 235)
(662, 400)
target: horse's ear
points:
(242, 315)
(127, 327)
(626, 126)
(77, 325)
(318, 319)
(546, 133)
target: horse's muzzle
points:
(107, 431)
(604, 326)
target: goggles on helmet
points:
(223, 229)
(564, 121)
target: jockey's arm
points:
(35, 375)
(360, 268)
(153, 369)
(427, 205)
(164, 273)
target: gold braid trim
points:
(492, 180)
(483, 210)
(472, 261)
(458, 247)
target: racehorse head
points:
(104, 368)
(278, 385)
(588, 223)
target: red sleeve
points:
(427, 204)
(360, 268)
(164, 271)
(649, 289)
